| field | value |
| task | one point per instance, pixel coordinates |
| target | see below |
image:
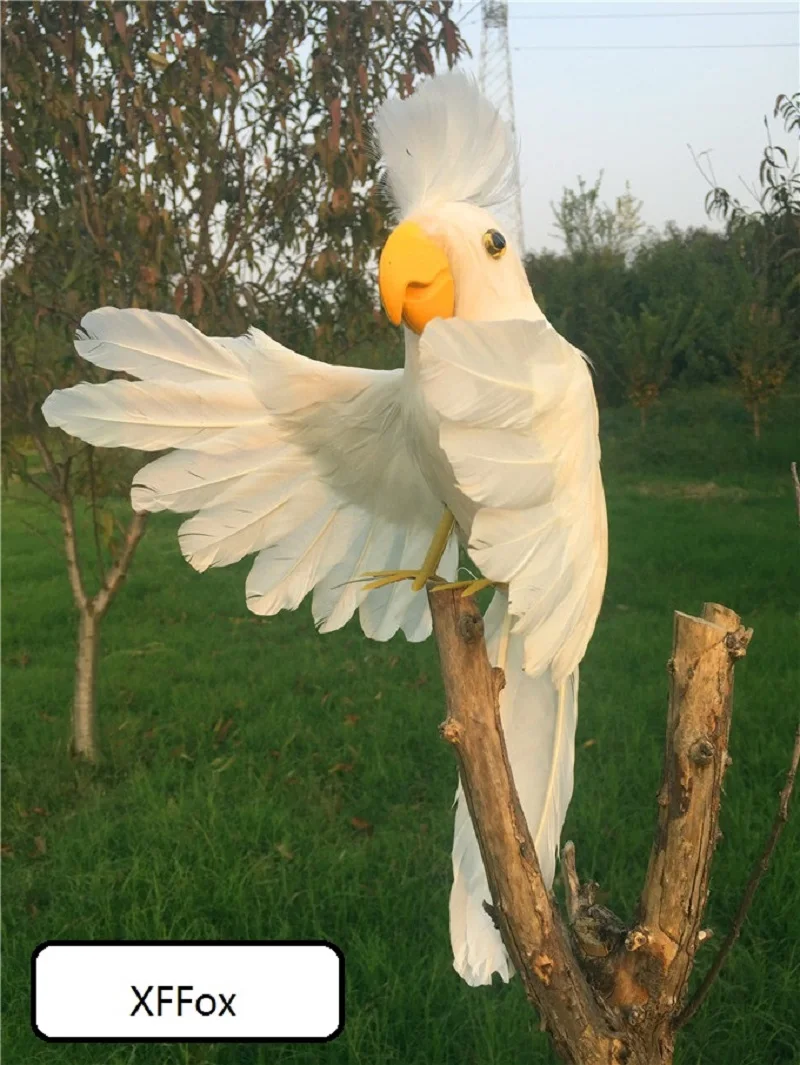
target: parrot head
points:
(449, 157)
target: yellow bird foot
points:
(470, 587)
(380, 578)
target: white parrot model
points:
(488, 435)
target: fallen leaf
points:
(342, 767)
(351, 719)
(39, 847)
(360, 825)
(324, 698)
(46, 717)
(378, 697)
(588, 743)
(222, 728)
(284, 851)
(33, 909)
(219, 765)
(6, 850)
(421, 681)
(40, 810)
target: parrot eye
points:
(495, 243)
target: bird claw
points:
(380, 578)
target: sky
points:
(628, 105)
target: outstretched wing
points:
(304, 464)
(519, 426)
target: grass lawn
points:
(262, 782)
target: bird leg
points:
(427, 572)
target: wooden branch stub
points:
(674, 897)
(523, 909)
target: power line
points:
(473, 8)
(639, 47)
(658, 14)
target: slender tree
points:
(766, 238)
(209, 159)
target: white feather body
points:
(532, 506)
(327, 472)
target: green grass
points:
(238, 751)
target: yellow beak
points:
(414, 278)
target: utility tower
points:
(496, 84)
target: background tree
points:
(646, 348)
(762, 354)
(766, 239)
(209, 159)
(586, 225)
(720, 306)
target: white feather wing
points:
(302, 463)
(518, 424)
(154, 346)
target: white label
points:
(184, 991)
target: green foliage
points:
(682, 308)
(762, 354)
(209, 159)
(589, 226)
(767, 237)
(646, 347)
(239, 749)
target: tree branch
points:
(93, 506)
(607, 992)
(529, 922)
(60, 478)
(781, 817)
(655, 976)
(116, 575)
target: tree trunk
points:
(84, 743)
(608, 992)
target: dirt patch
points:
(701, 491)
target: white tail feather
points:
(539, 728)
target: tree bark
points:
(608, 992)
(91, 611)
(529, 922)
(84, 741)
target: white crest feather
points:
(445, 143)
